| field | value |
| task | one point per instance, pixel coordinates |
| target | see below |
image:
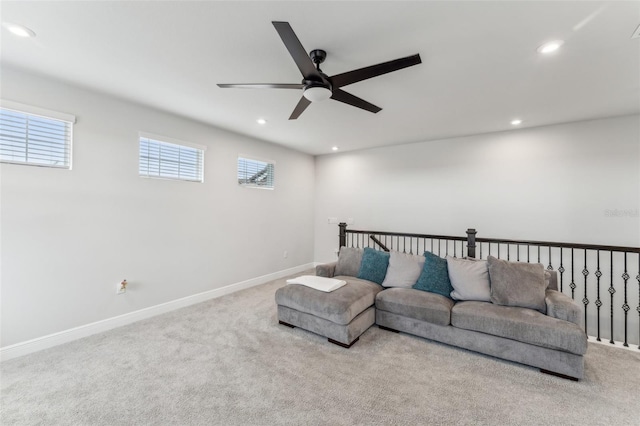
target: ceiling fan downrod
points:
(318, 56)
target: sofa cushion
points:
(469, 279)
(404, 270)
(420, 305)
(518, 284)
(374, 265)
(434, 277)
(349, 261)
(339, 306)
(521, 324)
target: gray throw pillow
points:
(517, 284)
(349, 261)
(469, 279)
(404, 270)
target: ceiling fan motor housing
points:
(317, 91)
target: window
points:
(35, 136)
(256, 173)
(170, 159)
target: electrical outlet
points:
(285, 254)
(121, 287)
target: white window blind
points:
(256, 173)
(168, 160)
(35, 139)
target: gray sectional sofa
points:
(550, 337)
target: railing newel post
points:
(343, 234)
(471, 242)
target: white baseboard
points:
(44, 342)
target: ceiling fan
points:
(316, 85)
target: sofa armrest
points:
(326, 270)
(561, 306)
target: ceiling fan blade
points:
(302, 105)
(261, 86)
(297, 52)
(354, 76)
(347, 98)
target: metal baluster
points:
(638, 307)
(611, 292)
(518, 252)
(561, 268)
(508, 252)
(598, 301)
(573, 284)
(549, 267)
(528, 253)
(585, 300)
(625, 306)
(480, 251)
(454, 249)
(446, 245)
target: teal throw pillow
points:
(374, 265)
(435, 276)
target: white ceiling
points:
(480, 66)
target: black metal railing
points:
(589, 273)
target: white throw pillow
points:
(404, 270)
(469, 279)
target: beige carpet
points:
(228, 362)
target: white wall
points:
(67, 237)
(552, 183)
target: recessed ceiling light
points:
(335, 148)
(516, 122)
(19, 30)
(550, 47)
(261, 121)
